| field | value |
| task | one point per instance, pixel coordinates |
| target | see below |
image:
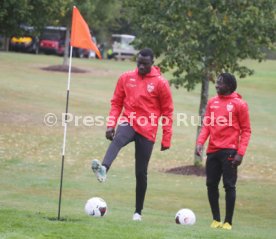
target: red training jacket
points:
(142, 100)
(227, 123)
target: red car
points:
(52, 40)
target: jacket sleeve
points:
(205, 129)
(245, 128)
(117, 102)
(166, 105)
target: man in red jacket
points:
(140, 98)
(226, 123)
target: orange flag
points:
(80, 34)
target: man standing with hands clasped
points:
(142, 96)
(227, 124)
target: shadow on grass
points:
(188, 170)
(64, 68)
(62, 219)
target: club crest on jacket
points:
(150, 87)
(229, 107)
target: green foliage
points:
(37, 13)
(101, 16)
(199, 38)
(12, 13)
(48, 12)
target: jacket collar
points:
(155, 71)
(231, 96)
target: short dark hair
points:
(147, 52)
(229, 80)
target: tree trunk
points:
(6, 43)
(202, 108)
(66, 48)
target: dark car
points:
(25, 42)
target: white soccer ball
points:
(96, 207)
(185, 217)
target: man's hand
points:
(109, 134)
(163, 148)
(237, 160)
(199, 149)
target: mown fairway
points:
(30, 158)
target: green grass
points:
(30, 159)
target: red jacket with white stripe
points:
(142, 100)
(227, 123)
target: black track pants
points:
(143, 149)
(219, 164)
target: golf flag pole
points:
(65, 131)
(81, 38)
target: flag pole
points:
(65, 131)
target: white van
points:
(121, 46)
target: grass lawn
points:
(30, 158)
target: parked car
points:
(121, 46)
(52, 41)
(27, 42)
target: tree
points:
(100, 16)
(36, 13)
(11, 14)
(199, 39)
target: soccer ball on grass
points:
(96, 207)
(185, 216)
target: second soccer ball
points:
(185, 216)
